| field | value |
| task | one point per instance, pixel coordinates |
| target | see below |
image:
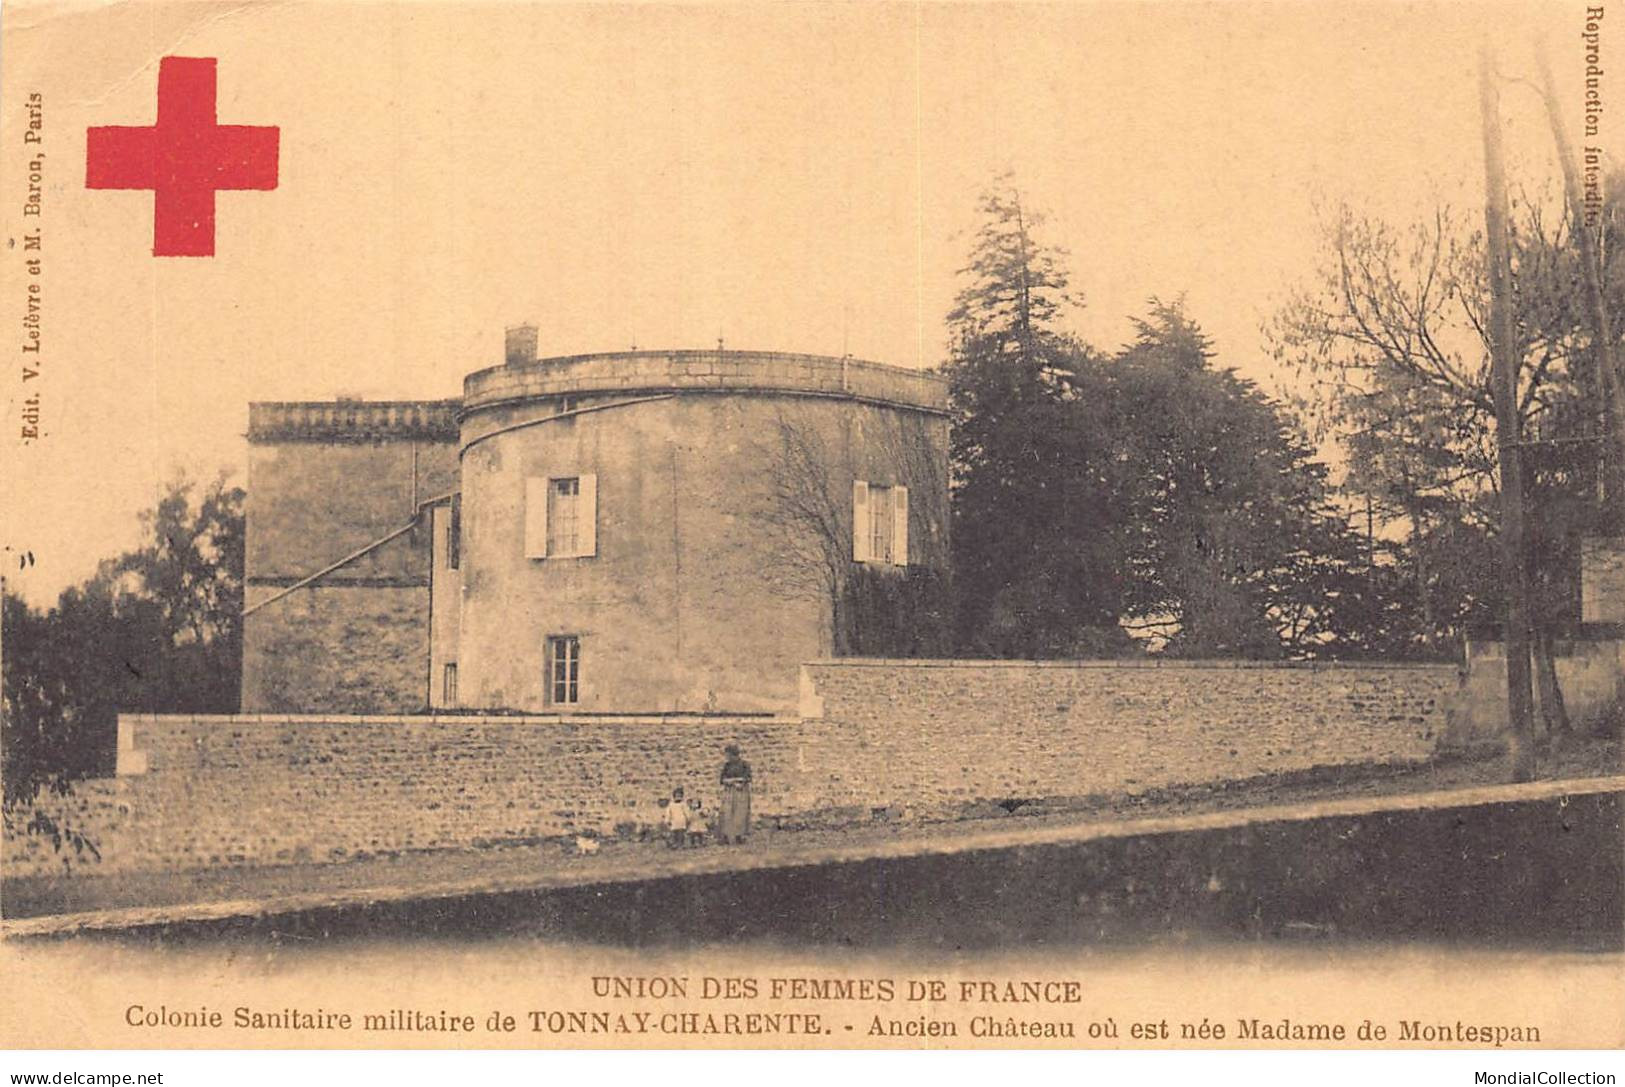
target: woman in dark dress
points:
(735, 821)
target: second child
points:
(676, 820)
(698, 827)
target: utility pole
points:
(1610, 382)
(1370, 537)
(1508, 431)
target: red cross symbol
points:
(185, 158)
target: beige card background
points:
(793, 177)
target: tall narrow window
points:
(454, 534)
(880, 524)
(561, 516)
(564, 668)
(448, 689)
(564, 516)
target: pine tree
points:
(1028, 577)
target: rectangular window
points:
(563, 516)
(454, 534)
(880, 523)
(563, 668)
(448, 689)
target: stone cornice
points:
(641, 373)
(353, 421)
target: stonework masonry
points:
(1589, 672)
(722, 482)
(692, 599)
(198, 792)
(1037, 729)
(634, 372)
(385, 631)
(324, 481)
(1602, 579)
(698, 501)
(1590, 665)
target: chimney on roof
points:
(520, 345)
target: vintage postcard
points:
(821, 526)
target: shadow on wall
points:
(1544, 874)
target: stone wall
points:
(1590, 672)
(325, 481)
(922, 738)
(338, 647)
(98, 810)
(1602, 579)
(213, 791)
(714, 516)
(962, 730)
(311, 502)
(1590, 665)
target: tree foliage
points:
(889, 613)
(1148, 490)
(809, 461)
(1032, 555)
(157, 629)
(1238, 550)
(1390, 338)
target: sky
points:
(787, 177)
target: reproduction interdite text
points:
(1591, 37)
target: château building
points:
(642, 531)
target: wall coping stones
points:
(1136, 662)
(127, 720)
(713, 371)
(352, 420)
(134, 761)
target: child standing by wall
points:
(698, 826)
(676, 820)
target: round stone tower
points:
(658, 531)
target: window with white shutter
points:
(536, 498)
(879, 524)
(587, 517)
(899, 532)
(860, 521)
